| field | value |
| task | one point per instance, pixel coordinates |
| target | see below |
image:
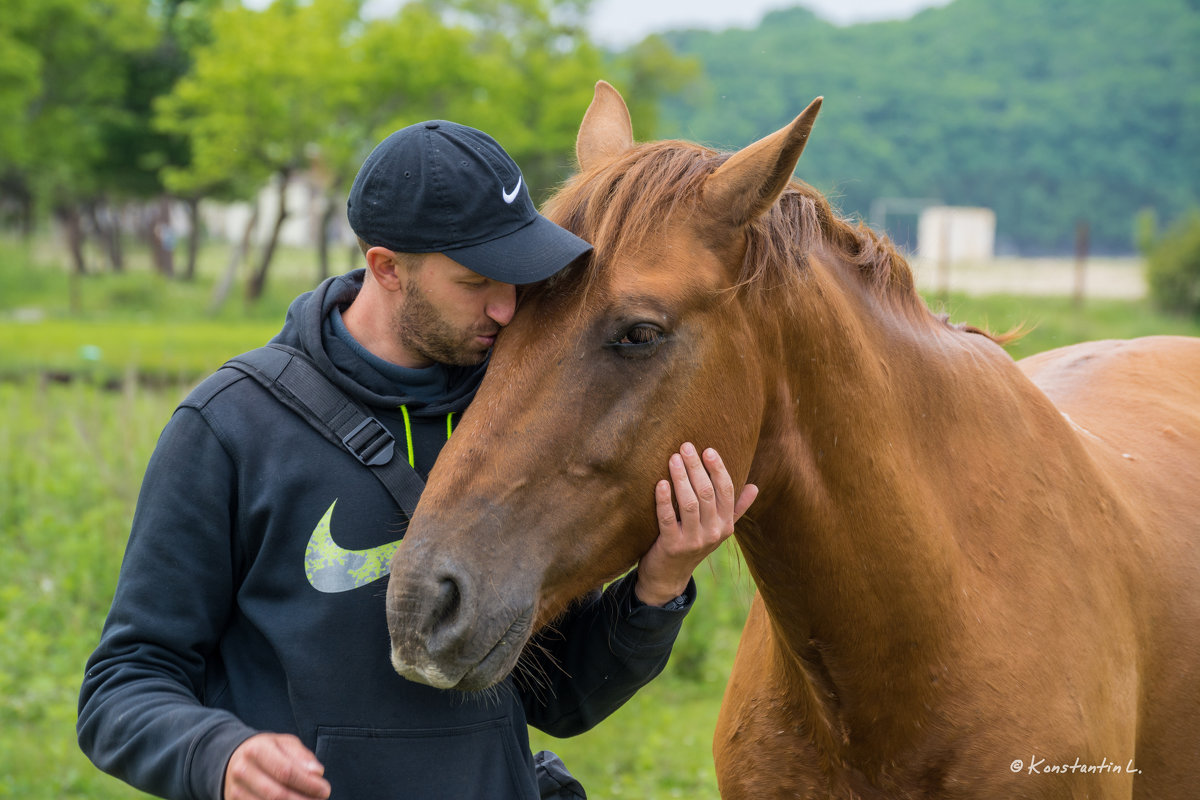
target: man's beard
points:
(424, 331)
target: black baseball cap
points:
(441, 187)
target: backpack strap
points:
(296, 382)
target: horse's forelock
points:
(622, 203)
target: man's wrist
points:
(660, 598)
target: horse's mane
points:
(620, 203)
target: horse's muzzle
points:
(449, 632)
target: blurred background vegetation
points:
(1048, 112)
(112, 112)
(117, 117)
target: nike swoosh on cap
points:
(331, 568)
(510, 196)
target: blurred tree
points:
(112, 106)
(535, 66)
(313, 86)
(136, 152)
(20, 84)
(64, 85)
(258, 98)
(402, 70)
(647, 72)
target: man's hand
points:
(274, 766)
(707, 513)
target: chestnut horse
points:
(976, 578)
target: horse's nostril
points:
(449, 598)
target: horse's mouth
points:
(454, 665)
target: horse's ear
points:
(752, 179)
(606, 130)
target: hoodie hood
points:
(308, 328)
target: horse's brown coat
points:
(962, 561)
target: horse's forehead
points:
(672, 263)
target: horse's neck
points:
(855, 550)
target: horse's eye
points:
(639, 341)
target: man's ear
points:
(386, 268)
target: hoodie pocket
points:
(473, 761)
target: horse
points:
(975, 577)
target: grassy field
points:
(89, 372)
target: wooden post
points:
(944, 257)
(1081, 255)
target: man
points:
(242, 657)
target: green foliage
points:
(72, 462)
(522, 71)
(529, 72)
(1173, 267)
(66, 60)
(646, 72)
(104, 103)
(260, 92)
(314, 86)
(1049, 113)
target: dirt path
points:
(1103, 277)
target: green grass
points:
(1051, 322)
(103, 352)
(89, 374)
(72, 463)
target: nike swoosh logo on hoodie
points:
(331, 568)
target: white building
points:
(956, 234)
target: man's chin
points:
(467, 357)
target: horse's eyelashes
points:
(638, 341)
(642, 334)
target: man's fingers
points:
(721, 482)
(293, 750)
(274, 766)
(700, 482)
(300, 770)
(664, 508)
(749, 492)
(685, 495)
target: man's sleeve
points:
(141, 715)
(593, 660)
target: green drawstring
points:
(408, 433)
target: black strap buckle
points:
(370, 442)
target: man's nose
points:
(502, 303)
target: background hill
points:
(1049, 112)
